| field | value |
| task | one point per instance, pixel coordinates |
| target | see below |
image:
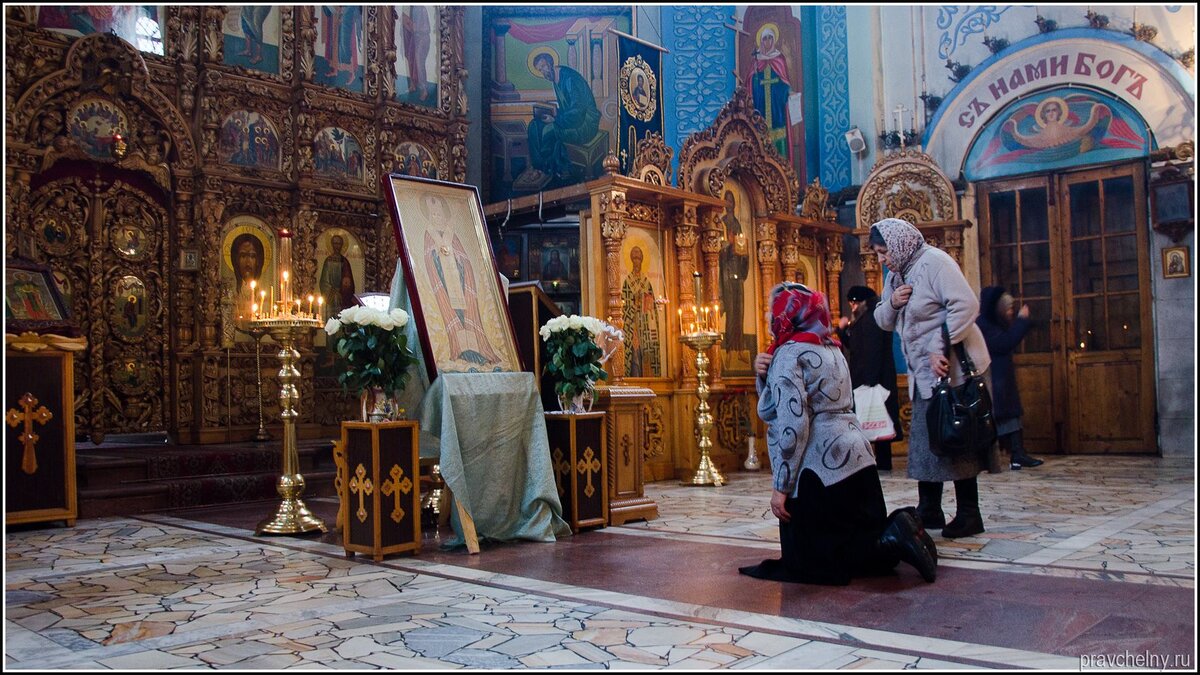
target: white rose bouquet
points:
(575, 357)
(373, 349)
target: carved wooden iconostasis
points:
(153, 182)
(732, 219)
(908, 184)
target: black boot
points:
(901, 539)
(1017, 449)
(1005, 442)
(967, 521)
(921, 533)
(929, 505)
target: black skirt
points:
(833, 534)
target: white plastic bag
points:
(872, 414)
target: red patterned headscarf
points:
(800, 314)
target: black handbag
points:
(960, 418)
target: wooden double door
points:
(1074, 247)
(107, 244)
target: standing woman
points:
(1003, 329)
(827, 497)
(869, 352)
(926, 290)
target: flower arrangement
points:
(578, 346)
(374, 352)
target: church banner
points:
(640, 86)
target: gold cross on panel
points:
(588, 466)
(394, 486)
(561, 469)
(27, 437)
(361, 485)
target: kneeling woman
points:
(827, 497)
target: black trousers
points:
(833, 535)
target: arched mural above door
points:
(1054, 129)
(1139, 75)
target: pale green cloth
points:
(489, 434)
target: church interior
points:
(213, 212)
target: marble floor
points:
(1087, 562)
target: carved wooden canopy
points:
(907, 185)
(737, 142)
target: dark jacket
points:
(1002, 340)
(869, 353)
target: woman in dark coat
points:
(1003, 329)
(869, 353)
(827, 497)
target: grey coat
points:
(807, 403)
(940, 295)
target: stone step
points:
(96, 469)
(145, 496)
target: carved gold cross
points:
(588, 465)
(394, 486)
(361, 485)
(28, 438)
(561, 469)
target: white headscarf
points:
(904, 241)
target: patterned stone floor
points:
(181, 591)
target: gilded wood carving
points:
(173, 187)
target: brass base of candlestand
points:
(293, 517)
(706, 473)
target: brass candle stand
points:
(706, 473)
(257, 332)
(292, 516)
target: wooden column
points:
(712, 237)
(832, 250)
(768, 255)
(208, 219)
(870, 264)
(612, 232)
(687, 235)
(789, 253)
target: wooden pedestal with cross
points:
(577, 444)
(380, 494)
(39, 435)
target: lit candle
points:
(285, 264)
(696, 288)
(310, 304)
(253, 285)
(321, 305)
(680, 320)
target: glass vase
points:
(378, 406)
(580, 403)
